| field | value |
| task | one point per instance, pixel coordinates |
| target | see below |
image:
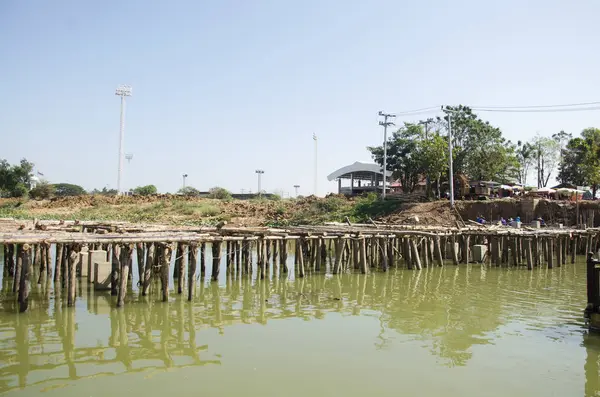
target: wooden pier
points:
(51, 253)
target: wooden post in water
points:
(300, 255)
(319, 256)
(11, 259)
(363, 255)
(150, 260)
(454, 250)
(182, 264)
(438, 251)
(126, 252)
(550, 251)
(267, 258)
(178, 256)
(57, 264)
(41, 251)
(415, 254)
(73, 255)
(390, 252)
(25, 260)
(406, 253)
(513, 251)
(116, 267)
(18, 267)
(283, 256)
(193, 252)
(528, 252)
(139, 250)
(216, 254)
(465, 250)
(338, 255)
(565, 244)
(202, 260)
(424, 252)
(573, 248)
(48, 263)
(558, 251)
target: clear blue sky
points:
(221, 88)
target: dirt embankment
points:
(309, 210)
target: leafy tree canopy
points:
(147, 190)
(67, 189)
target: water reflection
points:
(448, 311)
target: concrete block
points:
(479, 252)
(82, 264)
(94, 256)
(102, 270)
(536, 224)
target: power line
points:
(536, 110)
(422, 110)
(537, 106)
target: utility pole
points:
(122, 91)
(259, 173)
(315, 176)
(450, 170)
(426, 124)
(385, 123)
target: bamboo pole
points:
(178, 256)
(559, 252)
(573, 248)
(57, 263)
(318, 254)
(41, 251)
(465, 252)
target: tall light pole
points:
(315, 175)
(296, 187)
(184, 176)
(450, 170)
(385, 123)
(259, 173)
(122, 91)
(426, 124)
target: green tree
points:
(15, 180)
(189, 191)
(581, 161)
(147, 190)
(403, 155)
(434, 155)
(480, 150)
(547, 158)
(42, 190)
(68, 189)
(219, 193)
(525, 157)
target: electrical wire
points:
(537, 110)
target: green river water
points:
(453, 331)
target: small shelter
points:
(362, 177)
